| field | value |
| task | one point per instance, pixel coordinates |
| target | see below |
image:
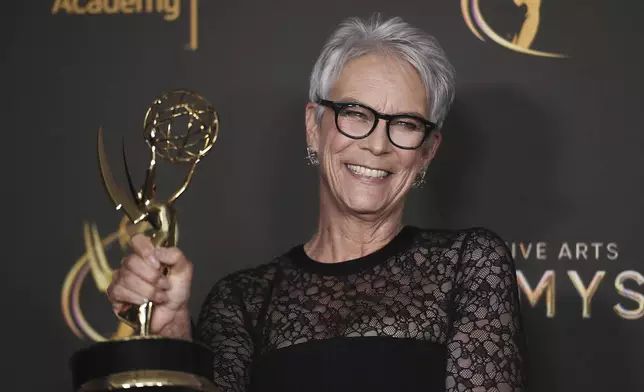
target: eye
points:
(356, 114)
(408, 124)
(350, 112)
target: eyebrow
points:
(353, 100)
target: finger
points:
(164, 283)
(141, 268)
(172, 256)
(135, 283)
(160, 297)
(143, 246)
(120, 295)
(110, 288)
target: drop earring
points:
(312, 156)
(420, 179)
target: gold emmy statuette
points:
(180, 127)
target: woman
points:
(367, 304)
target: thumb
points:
(142, 245)
(173, 257)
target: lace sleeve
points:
(485, 345)
(222, 326)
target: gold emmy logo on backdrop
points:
(520, 42)
(170, 9)
(586, 282)
(180, 127)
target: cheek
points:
(410, 161)
(334, 143)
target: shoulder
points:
(465, 239)
(482, 244)
(241, 293)
(238, 296)
(245, 282)
(431, 237)
(461, 239)
(468, 248)
(485, 258)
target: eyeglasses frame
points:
(339, 106)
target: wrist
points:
(180, 327)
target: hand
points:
(141, 279)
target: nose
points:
(378, 142)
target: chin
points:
(365, 205)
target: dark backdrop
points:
(548, 152)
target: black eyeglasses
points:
(357, 121)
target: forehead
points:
(383, 82)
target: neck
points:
(342, 236)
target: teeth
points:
(365, 171)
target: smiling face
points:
(370, 176)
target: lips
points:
(367, 171)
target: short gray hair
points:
(355, 37)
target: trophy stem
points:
(145, 318)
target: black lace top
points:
(434, 310)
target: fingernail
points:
(153, 260)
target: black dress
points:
(433, 310)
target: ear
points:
(312, 127)
(429, 150)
